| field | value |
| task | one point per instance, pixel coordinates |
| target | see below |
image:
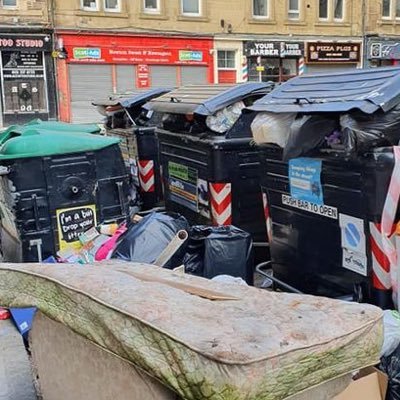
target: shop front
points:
(383, 52)
(93, 66)
(328, 57)
(27, 77)
(275, 61)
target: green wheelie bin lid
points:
(35, 142)
(57, 126)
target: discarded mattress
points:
(245, 344)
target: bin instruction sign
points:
(72, 222)
(305, 180)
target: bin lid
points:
(205, 99)
(130, 99)
(365, 89)
(37, 142)
(58, 126)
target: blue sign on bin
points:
(305, 180)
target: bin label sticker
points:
(355, 262)
(72, 222)
(353, 244)
(305, 180)
(320, 209)
(182, 185)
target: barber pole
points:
(302, 66)
(268, 219)
(146, 175)
(245, 73)
(221, 203)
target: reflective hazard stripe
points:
(146, 175)
(390, 208)
(221, 203)
(381, 264)
(268, 220)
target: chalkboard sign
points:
(72, 222)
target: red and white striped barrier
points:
(146, 175)
(221, 203)
(381, 265)
(268, 219)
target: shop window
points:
(331, 10)
(274, 69)
(226, 59)
(112, 5)
(191, 7)
(9, 3)
(260, 8)
(151, 6)
(294, 9)
(89, 5)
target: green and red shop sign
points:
(107, 49)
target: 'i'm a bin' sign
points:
(72, 222)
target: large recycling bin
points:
(325, 210)
(142, 145)
(211, 177)
(56, 186)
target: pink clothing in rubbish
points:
(105, 251)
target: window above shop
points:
(90, 5)
(191, 8)
(294, 9)
(9, 3)
(151, 6)
(391, 9)
(226, 59)
(331, 10)
(260, 9)
(112, 5)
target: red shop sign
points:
(134, 55)
(142, 76)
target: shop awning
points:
(365, 89)
(206, 99)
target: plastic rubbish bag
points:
(145, 241)
(308, 134)
(391, 367)
(224, 119)
(229, 279)
(391, 331)
(272, 128)
(219, 250)
(362, 132)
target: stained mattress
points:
(251, 345)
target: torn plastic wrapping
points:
(224, 119)
(308, 134)
(362, 132)
(219, 250)
(272, 128)
(145, 241)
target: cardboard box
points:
(369, 384)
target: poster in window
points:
(23, 78)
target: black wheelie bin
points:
(327, 189)
(208, 161)
(125, 113)
(55, 186)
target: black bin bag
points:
(362, 132)
(145, 241)
(219, 250)
(390, 365)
